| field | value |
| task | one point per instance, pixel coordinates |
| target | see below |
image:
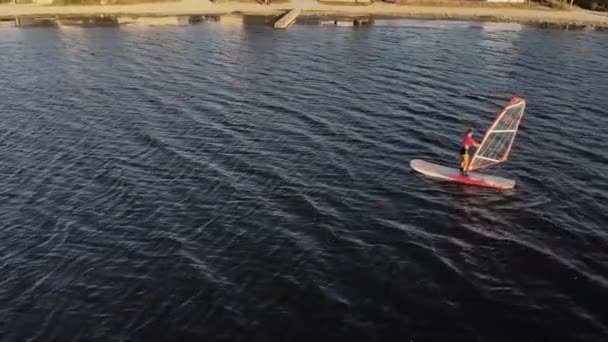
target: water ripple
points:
(230, 183)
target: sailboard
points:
(495, 148)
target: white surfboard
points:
(453, 174)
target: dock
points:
(287, 19)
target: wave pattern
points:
(235, 182)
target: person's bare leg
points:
(465, 164)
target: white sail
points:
(498, 140)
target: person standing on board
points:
(465, 158)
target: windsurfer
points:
(465, 158)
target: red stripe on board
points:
(471, 181)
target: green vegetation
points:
(595, 5)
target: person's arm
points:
(476, 143)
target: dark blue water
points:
(236, 183)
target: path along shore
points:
(521, 14)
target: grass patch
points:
(471, 3)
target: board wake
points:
(453, 174)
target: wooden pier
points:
(358, 21)
(287, 19)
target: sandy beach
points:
(519, 14)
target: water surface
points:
(234, 182)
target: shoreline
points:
(535, 16)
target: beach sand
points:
(520, 14)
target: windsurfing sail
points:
(498, 140)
